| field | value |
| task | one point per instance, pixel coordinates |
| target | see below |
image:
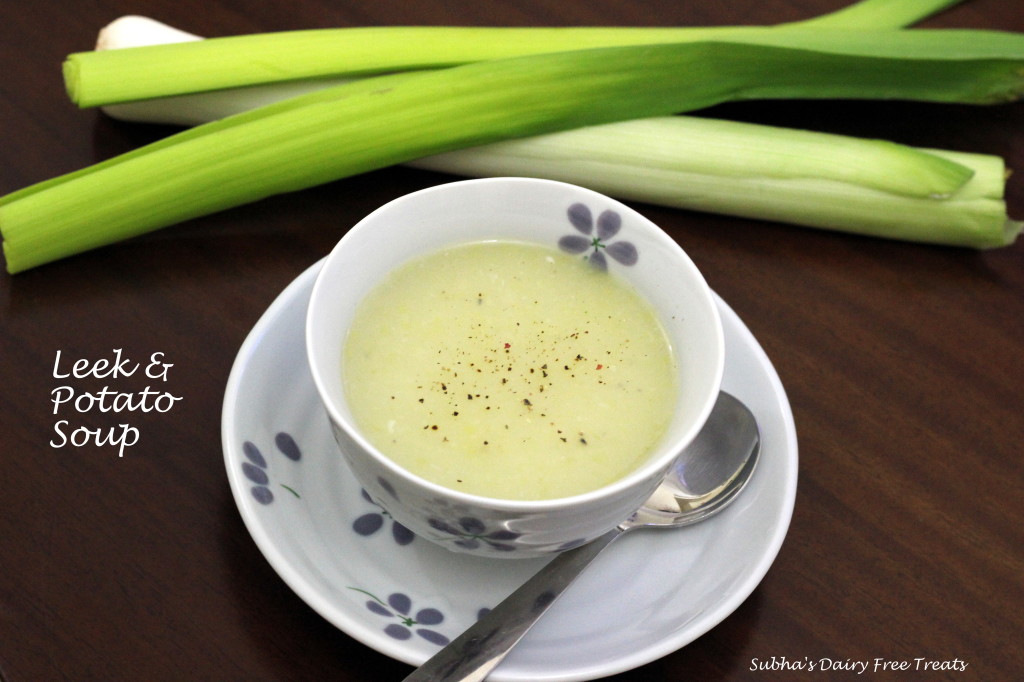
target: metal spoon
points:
(708, 475)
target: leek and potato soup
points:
(509, 370)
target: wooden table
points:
(902, 364)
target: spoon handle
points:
(476, 652)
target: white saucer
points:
(646, 596)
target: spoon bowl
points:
(705, 478)
(710, 473)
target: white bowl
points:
(530, 210)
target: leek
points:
(239, 94)
(879, 14)
(711, 165)
(103, 77)
(808, 179)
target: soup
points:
(509, 370)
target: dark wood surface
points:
(902, 362)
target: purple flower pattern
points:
(371, 522)
(404, 623)
(597, 241)
(471, 533)
(256, 468)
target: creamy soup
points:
(510, 370)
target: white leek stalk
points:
(707, 165)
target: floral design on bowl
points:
(399, 607)
(471, 533)
(371, 522)
(388, 488)
(256, 469)
(595, 246)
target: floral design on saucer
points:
(595, 246)
(402, 621)
(256, 469)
